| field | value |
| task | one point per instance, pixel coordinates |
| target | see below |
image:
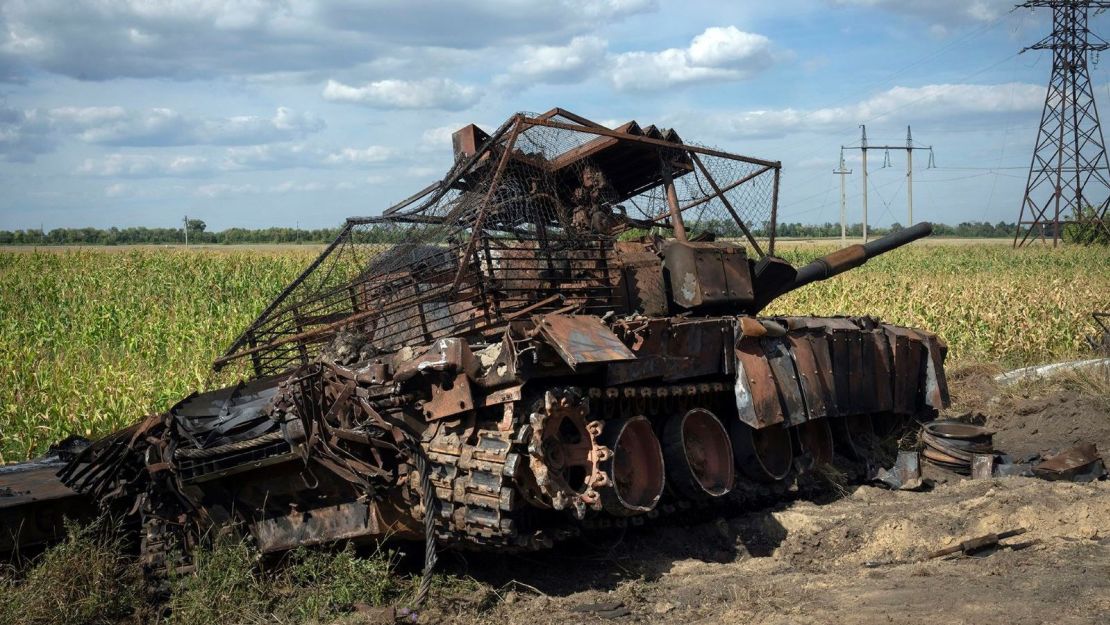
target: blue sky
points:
(252, 113)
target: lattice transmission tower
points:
(1069, 177)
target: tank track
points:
(487, 496)
(477, 486)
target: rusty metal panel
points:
(853, 371)
(583, 339)
(467, 140)
(866, 397)
(908, 353)
(738, 277)
(824, 324)
(936, 385)
(841, 368)
(316, 526)
(882, 371)
(502, 396)
(647, 340)
(860, 374)
(822, 356)
(782, 366)
(918, 355)
(641, 279)
(707, 273)
(449, 398)
(812, 380)
(695, 349)
(756, 386)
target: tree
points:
(1087, 228)
(196, 225)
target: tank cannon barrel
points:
(855, 255)
(775, 277)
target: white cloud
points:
(569, 63)
(26, 133)
(290, 186)
(439, 137)
(718, 54)
(146, 166)
(478, 23)
(290, 156)
(429, 93)
(372, 154)
(225, 190)
(236, 159)
(167, 127)
(941, 13)
(271, 157)
(117, 190)
(953, 103)
(222, 190)
(186, 39)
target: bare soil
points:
(855, 558)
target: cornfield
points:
(91, 340)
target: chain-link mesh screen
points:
(524, 223)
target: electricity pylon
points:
(1069, 176)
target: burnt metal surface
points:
(1081, 463)
(954, 445)
(34, 505)
(583, 340)
(516, 354)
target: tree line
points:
(199, 234)
(967, 229)
(147, 236)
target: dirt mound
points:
(1039, 416)
(878, 526)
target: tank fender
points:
(757, 400)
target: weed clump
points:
(86, 579)
(89, 579)
(308, 586)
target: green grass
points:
(309, 586)
(84, 580)
(91, 340)
(87, 580)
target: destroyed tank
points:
(563, 333)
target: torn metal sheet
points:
(1081, 463)
(583, 340)
(905, 474)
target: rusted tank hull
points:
(558, 426)
(518, 352)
